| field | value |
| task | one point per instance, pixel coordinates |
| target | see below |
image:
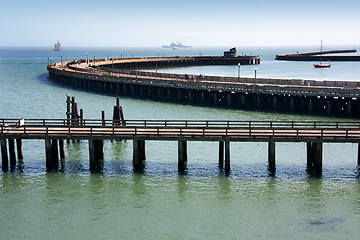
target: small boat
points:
(322, 64)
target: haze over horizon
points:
(140, 23)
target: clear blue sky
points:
(132, 23)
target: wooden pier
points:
(55, 131)
(120, 76)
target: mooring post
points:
(4, 156)
(221, 154)
(12, 154)
(227, 156)
(103, 118)
(68, 109)
(271, 157)
(182, 155)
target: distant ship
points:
(176, 45)
(57, 46)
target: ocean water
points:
(203, 203)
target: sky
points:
(153, 23)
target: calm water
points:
(160, 203)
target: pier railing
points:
(204, 130)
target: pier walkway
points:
(314, 133)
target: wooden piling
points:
(221, 154)
(139, 154)
(54, 154)
(182, 155)
(19, 147)
(314, 158)
(48, 154)
(4, 156)
(309, 154)
(96, 154)
(228, 99)
(227, 156)
(103, 118)
(62, 149)
(12, 154)
(271, 157)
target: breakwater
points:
(319, 56)
(114, 76)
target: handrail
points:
(183, 123)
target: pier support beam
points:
(221, 154)
(62, 148)
(314, 158)
(182, 155)
(52, 155)
(4, 156)
(19, 148)
(228, 99)
(271, 157)
(96, 153)
(12, 154)
(227, 156)
(139, 154)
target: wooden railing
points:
(202, 130)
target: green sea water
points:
(203, 203)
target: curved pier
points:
(123, 77)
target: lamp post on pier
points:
(239, 70)
(255, 77)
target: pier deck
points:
(54, 131)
